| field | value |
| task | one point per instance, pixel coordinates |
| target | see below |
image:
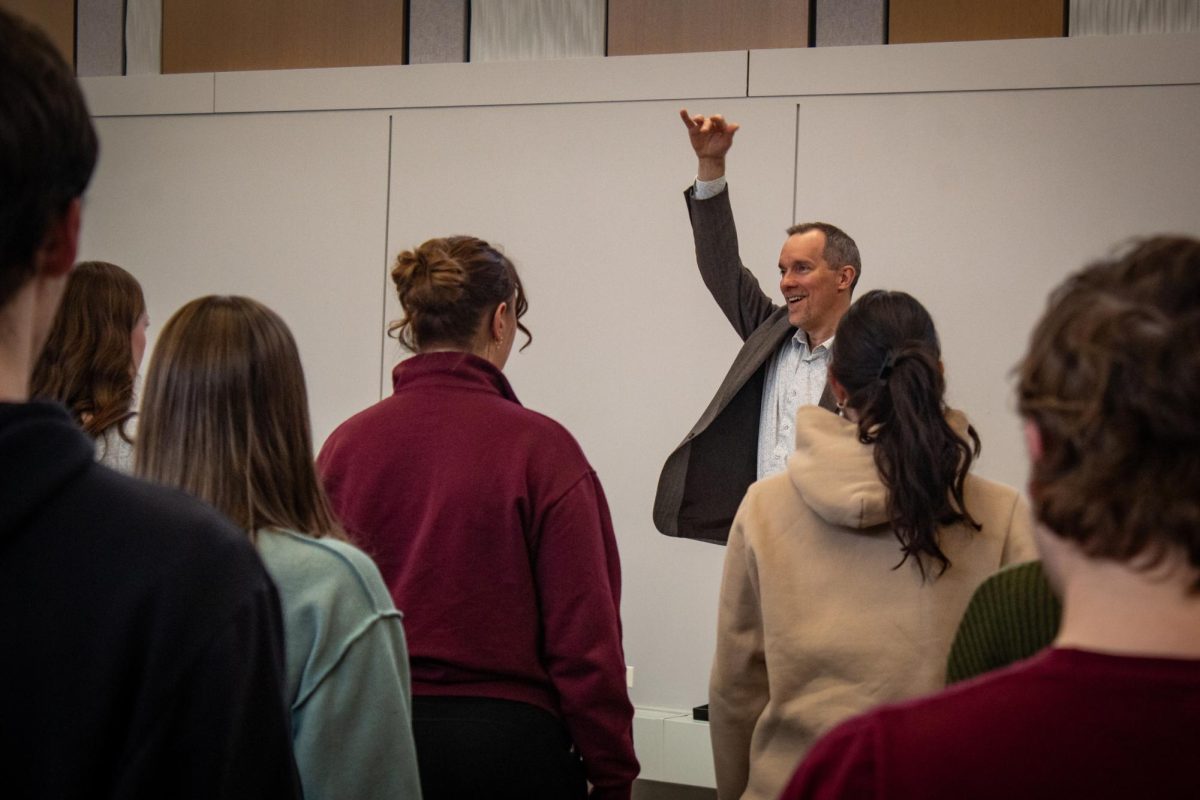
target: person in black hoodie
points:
(141, 636)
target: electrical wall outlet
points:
(628, 677)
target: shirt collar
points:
(801, 338)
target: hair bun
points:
(429, 279)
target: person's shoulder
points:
(161, 518)
(991, 490)
(162, 546)
(366, 421)
(992, 501)
(545, 437)
(314, 570)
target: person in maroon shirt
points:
(492, 532)
(1110, 392)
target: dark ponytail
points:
(887, 357)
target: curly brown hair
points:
(446, 287)
(87, 363)
(1112, 382)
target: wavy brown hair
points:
(225, 417)
(1112, 382)
(87, 363)
(448, 287)
(888, 358)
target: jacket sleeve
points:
(737, 692)
(734, 287)
(353, 728)
(578, 576)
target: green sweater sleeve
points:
(1011, 616)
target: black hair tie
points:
(889, 363)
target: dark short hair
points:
(446, 287)
(47, 146)
(1112, 382)
(840, 249)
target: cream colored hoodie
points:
(815, 625)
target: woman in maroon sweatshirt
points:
(493, 534)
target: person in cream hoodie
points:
(847, 575)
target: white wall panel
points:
(979, 203)
(288, 209)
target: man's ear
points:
(846, 276)
(56, 255)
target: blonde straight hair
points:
(225, 417)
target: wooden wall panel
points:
(225, 35)
(55, 17)
(688, 26)
(962, 20)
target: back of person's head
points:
(448, 288)
(887, 357)
(1112, 384)
(47, 146)
(88, 362)
(839, 250)
(225, 417)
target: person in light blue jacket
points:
(225, 417)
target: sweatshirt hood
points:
(835, 473)
(41, 449)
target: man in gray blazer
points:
(747, 431)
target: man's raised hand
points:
(711, 139)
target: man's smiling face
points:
(809, 286)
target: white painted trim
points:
(573, 80)
(977, 66)
(142, 95)
(1147, 59)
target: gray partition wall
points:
(974, 175)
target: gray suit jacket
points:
(705, 478)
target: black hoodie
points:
(140, 637)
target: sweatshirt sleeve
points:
(737, 692)
(353, 730)
(578, 576)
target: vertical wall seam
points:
(795, 164)
(387, 218)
